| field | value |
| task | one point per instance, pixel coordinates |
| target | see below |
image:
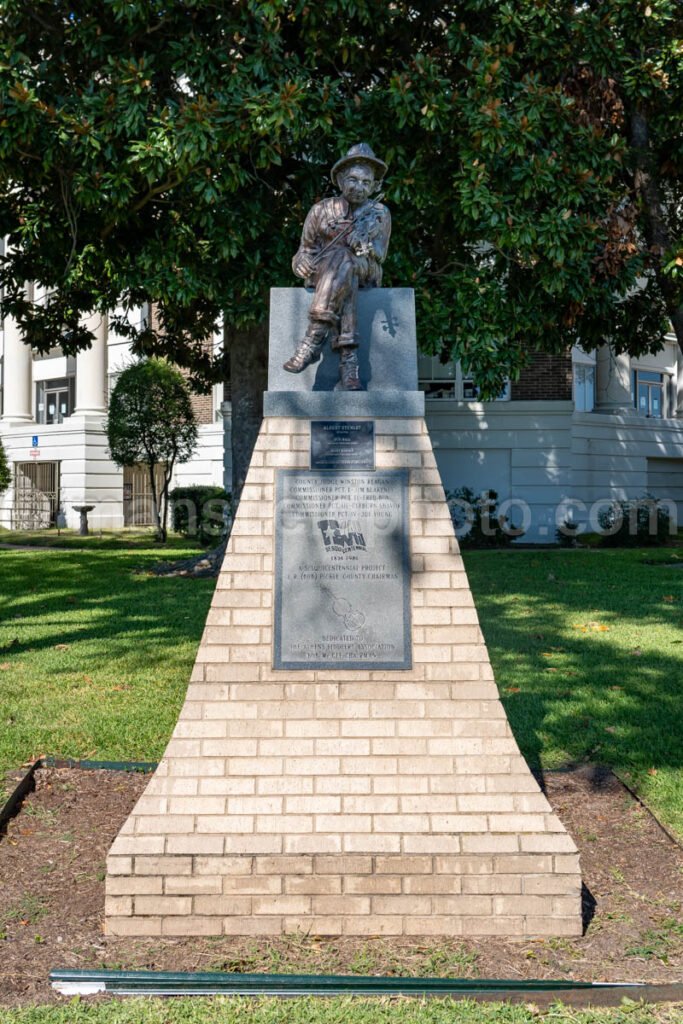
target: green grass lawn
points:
(131, 538)
(330, 1011)
(587, 648)
(95, 654)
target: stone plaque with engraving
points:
(342, 570)
(342, 444)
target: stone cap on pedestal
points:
(387, 355)
(347, 404)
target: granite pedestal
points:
(387, 352)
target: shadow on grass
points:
(605, 704)
(589, 906)
(587, 650)
(69, 597)
(127, 539)
(95, 657)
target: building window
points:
(447, 380)
(436, 379)
(649, 394)
(55, 399)
(584, 387)
(470, 390)
(54, 353)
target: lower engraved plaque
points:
(342, 570)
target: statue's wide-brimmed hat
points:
(361, 153)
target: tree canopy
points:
(168, 151)
(151, 422)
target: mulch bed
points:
(52, 864)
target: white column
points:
(17, 376)
(91, 370)
(613, 381)
(678, 384)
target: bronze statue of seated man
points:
(343, 245)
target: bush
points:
(5, 475)
(202, 512)
(635, 523)
(567, 533)
(151, 420)
(476, 519)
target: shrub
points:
(151, 420)
(5, 475)
(567, 533)
(635, 523)
(202, 512)
(477, 521)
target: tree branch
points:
(163, 187)
(657, 233)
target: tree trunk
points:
(657, 231)
(249, 377)
(161, 532)
(168, 473)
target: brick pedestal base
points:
(343, 802)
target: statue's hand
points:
(303, 266)
(356, 240)
(359, 244)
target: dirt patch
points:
(52, 864)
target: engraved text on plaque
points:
(342, 571)
(342, 444)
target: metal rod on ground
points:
(167, 983)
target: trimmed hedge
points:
(477, 521)
(202, 512)
(635, 523)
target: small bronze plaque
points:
(342, 445)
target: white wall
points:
(625, 457)
(87, 475)
(519, 449)
(206, 466)
(559, 462)
(665, 481)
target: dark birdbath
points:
(83, 510)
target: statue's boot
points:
(308, 350)
(349, 370)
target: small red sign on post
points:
(34, 453)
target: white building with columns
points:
(575, 432)
(54, 410)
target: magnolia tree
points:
(169, 151)
(151, 421)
